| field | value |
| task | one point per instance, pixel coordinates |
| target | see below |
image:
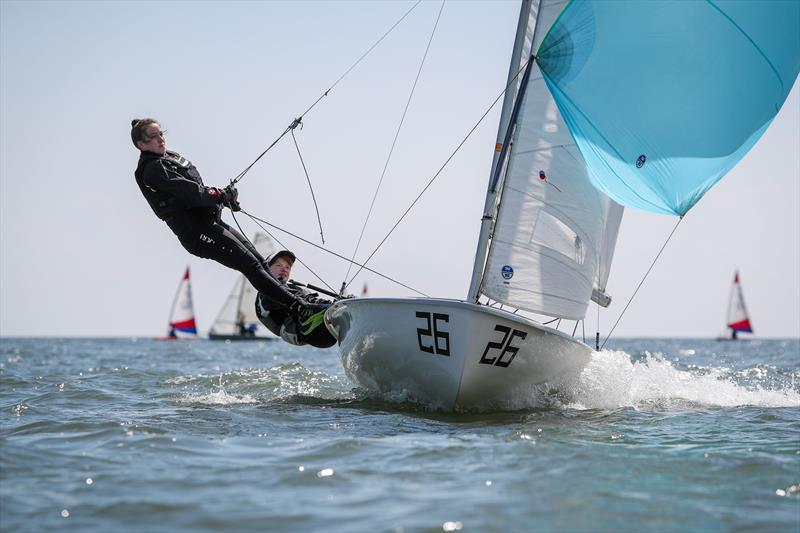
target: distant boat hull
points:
(447, 353)
(223, 337)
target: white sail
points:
(550, 247)
(239, 307)
(181, 318)
(613, 221)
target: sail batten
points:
(547, 243)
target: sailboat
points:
(738, 319)
(608, 104)
(182, 324)
(237, 320)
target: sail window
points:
(552, 233)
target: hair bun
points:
(134, 122)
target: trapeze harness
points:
(175, 191)
(286, 326)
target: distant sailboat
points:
(182, 325)
(738, 320)
(237, 320)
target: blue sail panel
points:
(663, 98)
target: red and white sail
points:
(738, 320)
(181, 318)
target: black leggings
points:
(214, 239)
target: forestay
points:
(554, 234)
(665, 97)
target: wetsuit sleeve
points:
(161, 177)
(314, 298)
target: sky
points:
(81, 253)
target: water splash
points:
(220, 397)
(612, 380)
(258, 385)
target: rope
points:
(438, 172)
(362, 57)
(258, 222)
(280, 243)
(394, 141)
(308, 179)
(299, 119)
(640, 283)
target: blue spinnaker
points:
(662, 97)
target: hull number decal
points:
(437, 341)
(507, 352)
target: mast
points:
(505, 127)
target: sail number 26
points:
(504, 347)
(433, 331)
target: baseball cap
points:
(283, 253)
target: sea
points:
(135, 434)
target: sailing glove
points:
(314, 298)
(231, 198)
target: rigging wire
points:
(394, 141)
(639, 286)
(597, 334)
(280, 243)
(438, 172)
(308, 179)
(299, 119)
(259, 221)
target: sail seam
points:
(544, 149)
(549, 208)
(757, 48)
(553, 254)
(616, 152)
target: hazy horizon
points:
(83, 255)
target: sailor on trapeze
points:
(175, 191)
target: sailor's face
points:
(155, 139)
(281, 269)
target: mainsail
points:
(738, 320)
(554, 233)
(664, 97)
(181, 317)
(238, 313)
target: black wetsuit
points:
(175, 191)
(286, 325)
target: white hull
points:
(448, 353)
